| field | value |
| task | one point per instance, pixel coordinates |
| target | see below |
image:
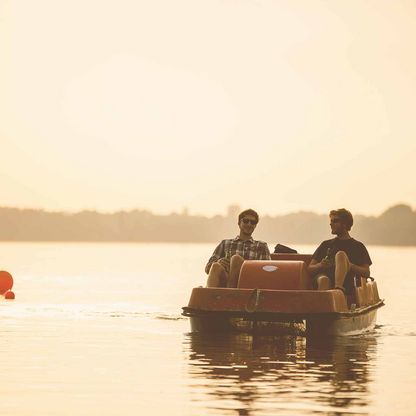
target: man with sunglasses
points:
(336, 262)
(223, 267)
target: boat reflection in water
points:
(245, 374)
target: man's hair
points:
(344, 215)
(248, 212)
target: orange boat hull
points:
(278, 294)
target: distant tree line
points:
(396, 226)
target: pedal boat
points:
(276, 297)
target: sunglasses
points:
(335, 221)
(246, 221)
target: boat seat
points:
(367, 293)
(274, 274)
(292, 256)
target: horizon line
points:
(185, 211)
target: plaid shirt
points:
(248, 249)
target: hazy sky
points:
(276, 105)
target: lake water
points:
(96, 329)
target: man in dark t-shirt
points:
(336, 262)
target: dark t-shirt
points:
(355, 250)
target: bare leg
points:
(323, 282)
(217, 276)
(342, 267)
(235, 267)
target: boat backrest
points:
(274, 274)
(289, 256)
(367, 293)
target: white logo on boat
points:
(269, 268)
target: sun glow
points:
(121, 105)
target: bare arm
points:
(316, 267)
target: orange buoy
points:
(9, 295)
(6, 281)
